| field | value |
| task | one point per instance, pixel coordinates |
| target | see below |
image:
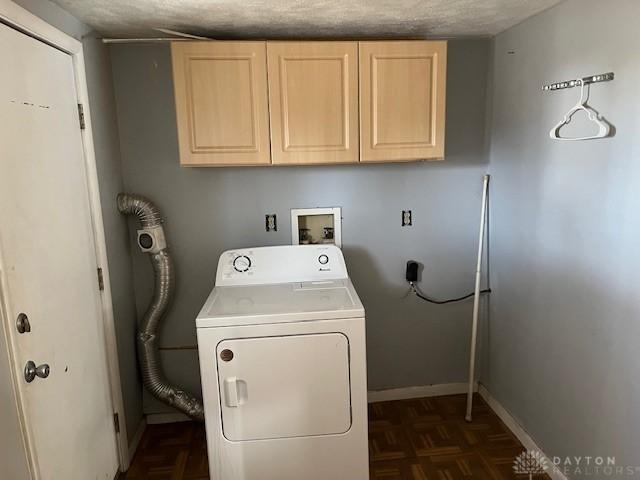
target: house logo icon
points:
(530, 462)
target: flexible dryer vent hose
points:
(164, 278)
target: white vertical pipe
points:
(476, 299)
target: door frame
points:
(24, 21)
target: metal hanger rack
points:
(603, 77)
(604, 127)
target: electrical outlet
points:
(271, 223)
(406, 218)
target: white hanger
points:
(603, 125)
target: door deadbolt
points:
(22, 323)
(31, 371)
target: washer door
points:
(281, 387)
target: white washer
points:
(281, 341)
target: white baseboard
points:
(417, 392)
(135, 441)
(157, 418)
(518, 430)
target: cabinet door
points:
(221, 102)
(402, 100)
(313, 100)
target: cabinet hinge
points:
(116, 421)
(81, 116)
(100, 279)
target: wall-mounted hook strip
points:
(603, 77)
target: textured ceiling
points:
(305, 18)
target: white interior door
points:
(48, 262)
(281, 387)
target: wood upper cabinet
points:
(313, 101)
(321, 102)
(402, 100)
(221, 102)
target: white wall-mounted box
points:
(311, 226)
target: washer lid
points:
(287, 302)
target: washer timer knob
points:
(241, 263)
(323, 259)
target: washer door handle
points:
(231, 392)
(235, 392)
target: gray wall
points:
(209, 210)
(107, 150)
(563, 337)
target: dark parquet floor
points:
(417, 439)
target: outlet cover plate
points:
(407, 220)
(271, 222)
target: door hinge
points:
(81, 116)
(100, 279)
(116, 421)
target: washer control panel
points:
(284, 264)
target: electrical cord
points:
(443, 302)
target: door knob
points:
(31, 371)
(22, 323)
